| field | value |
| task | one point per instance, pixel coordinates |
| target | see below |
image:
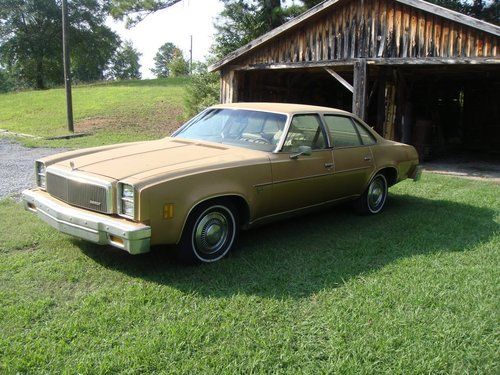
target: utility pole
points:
(191, 57)
(67, 71)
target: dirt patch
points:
(471, 169)
(161, 121)
(90, 125)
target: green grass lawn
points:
(112, 112)
(413, 290)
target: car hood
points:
(142, 160)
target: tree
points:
(30, 40)
(178, 66)
(134, 11)
(485, 10)
(203, 90)
(6, 83)
(125, 63)
(163, 58)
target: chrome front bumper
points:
(91, 226)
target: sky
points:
(174, 24)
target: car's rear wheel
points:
(375, 196)
(210, 233)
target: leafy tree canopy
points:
(178, 66)
(31, 34)
(242, 21)
(134, 11)
(125, 63)
(163, 58)
(487, 10)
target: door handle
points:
(367, 158)
(328, 165)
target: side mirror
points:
(303, 150)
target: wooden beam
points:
(298, 65)
(371, 61)
(435, 61)
(335, 75)
(360, 86)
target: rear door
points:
(305, 180)
(352, 155)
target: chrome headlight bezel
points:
(41, 175)
(126, 197)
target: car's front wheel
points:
(373, 199)
(210, 233)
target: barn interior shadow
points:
(301, 256)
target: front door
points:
(304, 180)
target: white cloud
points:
(174, 24)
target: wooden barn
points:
(416, 72)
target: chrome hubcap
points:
(211, 233)
(376, 194)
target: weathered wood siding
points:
(373, 29)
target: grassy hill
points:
(112, 112)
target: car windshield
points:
(245, 128)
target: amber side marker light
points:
(168, 211)
(115, 239)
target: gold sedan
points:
(231, 167)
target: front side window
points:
(342, 131)
(245, 128)
(305, 130)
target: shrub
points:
(203, 91)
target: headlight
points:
(126, 201)
(40, 174)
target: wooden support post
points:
(234, 87)
(229, 86)
(360, 87)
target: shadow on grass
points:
(299, 257)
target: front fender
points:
(186, 192)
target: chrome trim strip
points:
(302, 178)
(353, 169)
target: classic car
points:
(231, 167)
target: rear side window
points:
(342, 131)
(305, 130)
(366, 136)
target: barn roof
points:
(328, 4)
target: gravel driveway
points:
(17, 170)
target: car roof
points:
(288, 108)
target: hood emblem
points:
(72, 165)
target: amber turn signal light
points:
(168, 211)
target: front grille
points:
(79, 193)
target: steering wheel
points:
(254, 139)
